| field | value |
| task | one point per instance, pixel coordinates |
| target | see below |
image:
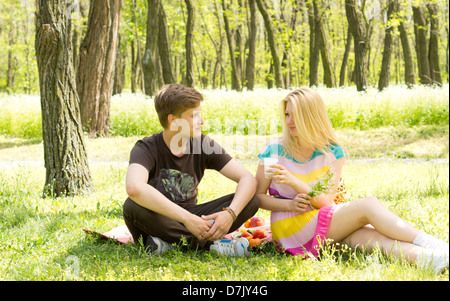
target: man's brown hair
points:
(175, 99)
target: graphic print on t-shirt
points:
(179, 185)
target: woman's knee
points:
(369, 203)
(366, 206)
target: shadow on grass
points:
(16, 142)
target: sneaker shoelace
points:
(228, 248)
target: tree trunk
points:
(76, 35)
(269, 76)
(356, 23)
(410, 77)
(240, 49)
(448, 40)
(314, 47)
(67, 170)
(164, 48)
(119, 74)
(289, 30)
(217, 45)
(235, 83)
(321, 34)
(250, 68)
(97, 65)
(420, 31)
(433, 53)
(385, 72)
(133, 73)
(12, 61)
(189, 79)
(348, 46)
(150, 60)
(271, 38)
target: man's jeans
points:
(143, 222)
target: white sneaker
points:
(433, 259)
(232, 247)
(430, 242)
(156, 245)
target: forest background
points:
(223, 26)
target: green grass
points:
(424, 141)
(41, 238)
(255, 112)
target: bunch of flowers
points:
(323, 185)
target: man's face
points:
(194, 119)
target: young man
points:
(162, 179)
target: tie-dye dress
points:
(300, 233)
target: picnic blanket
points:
(122, 235)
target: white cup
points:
(267, 163)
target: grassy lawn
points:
(42, 238)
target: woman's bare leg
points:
(366, 223)
(351, 216)
(368, 239)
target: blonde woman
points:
(308, 149)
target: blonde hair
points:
(311, 121)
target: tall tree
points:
(385, 72)
(119, 73)
(12, 60)
(239, 47)
(189, 78)
(235, 82)
(95, 74)
(218, 45)
(433, 53)
(164, 48)
(151, 56)
(420, 31)
(410, 76)
(314, 46)
(348, 46)
(250, 66)
(138, 69)
(448, 40)
(67, 170)
(322, 36)
(358, 26)
(287, 29)
(271, 38)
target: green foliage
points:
(133, 116)
(17, 35)
(20, 116)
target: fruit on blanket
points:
(246, 235)
(247, 224)
(254, 242)
(256, 221)
(259, 233)
(254, 236)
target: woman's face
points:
(289, 119)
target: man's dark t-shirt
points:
(177, 178)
